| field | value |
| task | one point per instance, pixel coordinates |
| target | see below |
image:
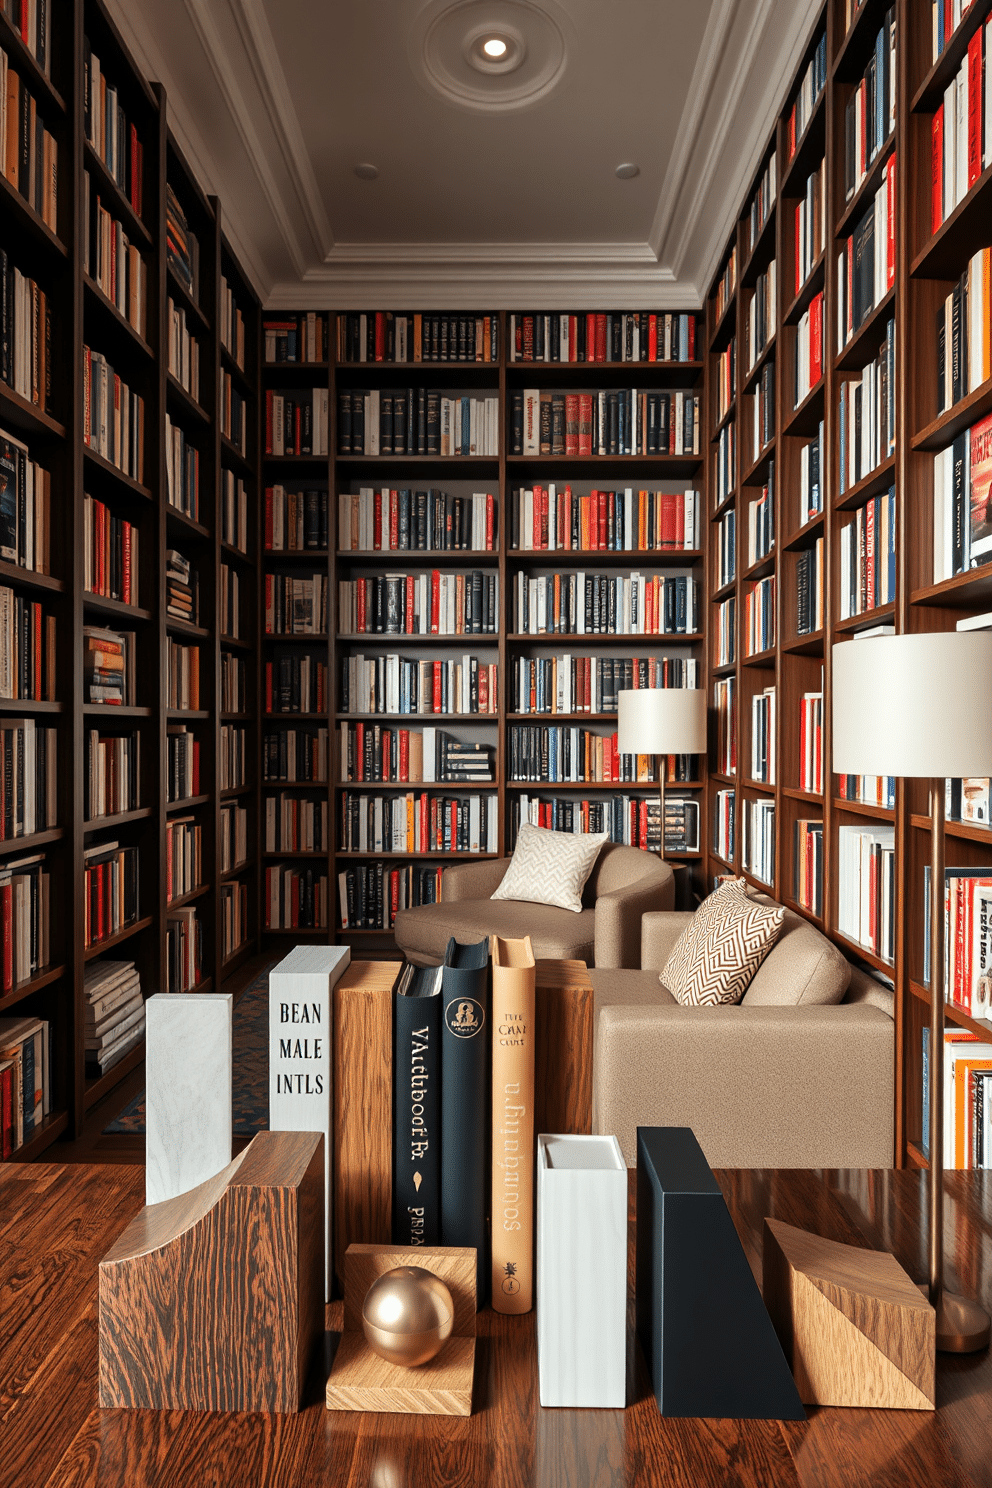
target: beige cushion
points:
(716, 955)
(804, 969)
(550, 867)
(556, 934)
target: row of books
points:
(25, 507)
(231, 323)
(962, 502)
(437, 603)
(598, 336)
(182, 777)
(726, 284)
(182, 470)
(605, 604)
(399, 684)
(867, 415)
(866, 895)
(232, 757)
(725, 464)
(371, 753)
(183, 676)
(616, 421)
(760, 206)
(27, 649)
(763, 409)
(961, 130)
(296, 684)
(421, 421)
(182, 247)
(294, 824)
(967, 938)
(968, 800)
(295, 898)
(296, 755)
(295, 521)
(233, 413)
(110, 553)
(759, 616)
(233, 683)
(28, 778)
(811, 742)
(964, 333)
(811, 588)
(808, 365)
(761, 315)
(758, 838)
(183, 349)
(388, 520)
(296, 422)
(182, 588)
(724, 823)
(233, 511)
(725, 652)
(229, 602)
(763, 714)
(761, 520)
(555, 519)
(726, 548)
(28, 152)
(183, 949)
(296, 606)
(25, 1080)
(726, 378)
(812, 477)
(32, 21)
(967, 1097)
(810, 88)
(725, 707)
(870, 111)
(371, 895)
(113, 1013)
(233, 917)
(558, 752)
(232, 837)
(634, 821)
(589, 684)
(108, 132)
(868, 557)
(866, 263)
(296, 338)
(110, 890)
(113, 416)
(25, 335)
(807, 865)
(388, 336)
(945, 18)
(870, 790)
(25, 919)
(183, 856)
(112, 775)
(423, 823)
(809, 225)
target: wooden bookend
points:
(563, 1028)
(710, 1346)
(361, 1380)
(854, 1327)
(214, 1300)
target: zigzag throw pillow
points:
(719, 951)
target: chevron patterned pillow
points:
(719, 951)
(550, 867)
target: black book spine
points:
(416, 1119)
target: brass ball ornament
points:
(407, 1316)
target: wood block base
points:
(854, 1327)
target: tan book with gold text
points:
(513, 1125)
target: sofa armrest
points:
(659, 932)
(473, 880)
(619, 913)
(761, 1087)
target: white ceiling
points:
(484, 200)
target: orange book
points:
(963, 1108)
(513, 1007)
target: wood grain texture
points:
(563, 1048)
(55, 1436)
(214, 1304)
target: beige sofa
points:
(799, 1075)
(624, 885)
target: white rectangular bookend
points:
(187, 1090)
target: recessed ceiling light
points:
(494, 47)
(366, 172)
(627, 171)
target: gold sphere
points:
(408, 1315)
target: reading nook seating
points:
(624, 885)
(798, 1075)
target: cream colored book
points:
(513, 1125)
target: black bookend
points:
(710, 1346)
(417, 1106)
(465, 1059)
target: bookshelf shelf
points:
(881, 615)
(118, 819)
(809, 148)
(805, 419)
(929, 94)
(959, 236)
(766, 354)
(38, 81)
(120, 206)
(869, 485)
(34, 225)
(865, 193)
(111, 941)
(98, 1086)
(126, 482)
(187, 404)
(97, 300)
(52, 1127)
(122, 612)
(762, 252)
(30, 843)
(811, 286)
(864, 344)
(26, 416)
(24, 989)
(864, 808)
(947, 426)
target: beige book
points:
(513, 1125)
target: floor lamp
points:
(917, 706)
(661, 721)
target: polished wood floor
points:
(56, 1221)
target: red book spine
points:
(435, 601)
(380, 335)
(585, 424)
(6, 911)
(424, 822)
(544, 517)
(572, 337)
(394, 519)
(652, 338)
(975, 119)
(126, 564)
(603, 518)
(490, 521)
(528, 339)
(669, 520)
(437, 692)
(591, 337)
(937, 169)
(404, 754)
(297, 427)
(571, 423)
(816, 340)
(408, 616)
(870, 555)
(360, 606)
(692, 338)
(600, 337)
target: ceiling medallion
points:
(448, 52)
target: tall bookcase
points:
(90, 310)
(924, 269)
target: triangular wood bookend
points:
(854, 1327)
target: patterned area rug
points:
(251, 1068)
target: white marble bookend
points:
(188, 1074)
